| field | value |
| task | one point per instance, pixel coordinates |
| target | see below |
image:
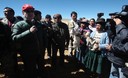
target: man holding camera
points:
(118, 48)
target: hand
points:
(109, 47)
(33, 29)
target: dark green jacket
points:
(28, 41)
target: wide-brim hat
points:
(101, 21)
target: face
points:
(91, 22)
(98, 27)
(29, 14)
(57, 19)
(38, 17)
(83, 25)
(8, 14)
(48, 19)
(74, 17)
(117, 21)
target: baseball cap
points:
(27, 7)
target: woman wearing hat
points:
(84, 32)
(94, 58)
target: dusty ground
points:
(71, 69)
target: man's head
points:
(84, 23)
(74, 15)
(28, 11)
(121, 17)
(57, 18)
(48, 18)
(9, 13)
(37, 15)
(92, 21)
(112, 15)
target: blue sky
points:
(84, 8)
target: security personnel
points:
(60, 39)
(25, 34)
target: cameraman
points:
(118, 57)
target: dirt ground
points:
(71, 69)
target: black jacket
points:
(5, 38)
(60, 34)
(119, 50)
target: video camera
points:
(125, 8)
(100, 14)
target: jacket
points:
(28, 41)
(60, 34)
(104, 41)
(119, 51)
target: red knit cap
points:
(27, 7)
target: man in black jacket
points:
(119, 46)
(60, 39)
(48, 23)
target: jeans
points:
(116, 72)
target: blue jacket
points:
(104, 41)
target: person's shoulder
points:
(20, 23)
(64, 23)
(19, 18)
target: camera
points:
(125, 8)
(100, 14)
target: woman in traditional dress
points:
(95, 59)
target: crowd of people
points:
(98, 44)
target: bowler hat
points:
(102, 22)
